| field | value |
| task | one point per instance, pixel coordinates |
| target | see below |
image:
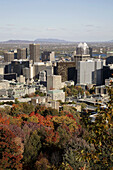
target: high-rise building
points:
(82, 53)
(18, 65)
(67, 70)
(49, 70)
(48, 56)
(1, 71)
(34, 52)
(42, 75)
(54, 82)
(39, 66)
(8, 56)
(83, 49)
(90, 72)
(15, 53)
(22, 53)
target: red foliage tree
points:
(10, 154)
(4, 120)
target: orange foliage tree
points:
(10, 157)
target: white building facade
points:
(89, 72)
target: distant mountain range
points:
(50, 40)
(41, 40)
(35, 41)
(16, 42)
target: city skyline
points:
(73, 20)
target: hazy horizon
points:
(83, 20)
(68, 41)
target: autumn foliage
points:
(10, 155)
(43, 138)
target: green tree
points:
(31, 150)
(21, 108)
(27, 108)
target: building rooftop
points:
(39, 63)
(83, 45)
(20, 60)
(55, 91)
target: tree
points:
(10, 155)
(31, 149)
(42, 163)
(27, 108)
(21, 108)
(50, 111)
(101, 136)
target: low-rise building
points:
(4, 84)
(21, 79)
(3, 92)
(108, 81)
(69, 83)
(100, 90)
(7, 99)
(52, 104)
(57, 95)
(26, 100)
(38, 100)
(22, 91)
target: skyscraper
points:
(22, 53)
(54, 82)
(34, 52)
(90, 72)
(8, 56)
(82, 53)
(83, 49)
(48, 56)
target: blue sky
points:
(73, 20)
